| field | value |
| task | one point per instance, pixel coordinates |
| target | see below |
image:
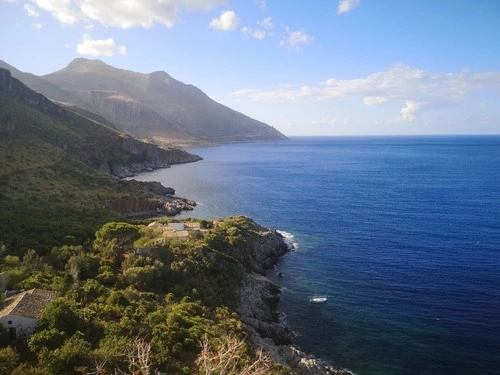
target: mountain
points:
(151, 106)
(89, 141)
(58, 171)
(41, 85)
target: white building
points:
(20, 313)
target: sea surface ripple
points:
(401, 233)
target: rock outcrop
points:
(258, 299)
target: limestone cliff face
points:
(95, 144)
(258, 300)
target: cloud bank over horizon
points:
(416, 88)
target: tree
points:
(138, 361)
(230, 358)
(32, 261)
(59, 256)
(9, 360)
(76, 352)
(47, 338)
(113, 240)
(61, 315)
(124, 233)
(139, 357)
(81, 267)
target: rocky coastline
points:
(258, 299)
(155, 200)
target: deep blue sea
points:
(401, 233)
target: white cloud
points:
(261, 3)
(37, 26)
(122, 14)
(409, 111)
(261, 34)
(227, 21)
(374, 100)
(257, 34)
(31, 11)
(103, 47)
(346, 6)
(266, 23)
(294, 40)
(63, 10)
(418, 90)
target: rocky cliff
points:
(96, 144)
(258, 299)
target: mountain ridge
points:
(153, 106)
(94, 143)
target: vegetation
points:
(47, 195)
(121, 311)
(169, 311)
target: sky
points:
(317, 67)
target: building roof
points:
(29, 303)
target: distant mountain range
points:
(151, 106)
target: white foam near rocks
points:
(289, 239)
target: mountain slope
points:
(91, 142)
(41, 85)
(151, 106)
(51, 171)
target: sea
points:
(402, 234)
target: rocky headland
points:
(258, 299)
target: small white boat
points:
(318, 299)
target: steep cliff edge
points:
(91, 142)
(258, 299)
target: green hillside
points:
(57, 171)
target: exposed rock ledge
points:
(155, 200)
(258, 301)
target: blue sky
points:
(320, 67)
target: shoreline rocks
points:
(155, 200)
(258, 300)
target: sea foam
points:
(289, 239)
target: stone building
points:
(20, 313)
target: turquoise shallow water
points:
(402, 234)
